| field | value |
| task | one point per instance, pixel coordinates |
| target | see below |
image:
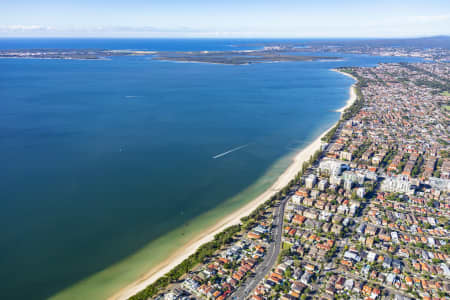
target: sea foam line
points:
(229, 151)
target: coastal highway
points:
(270, 258)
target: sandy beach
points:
(232, 219)
(350, 100)
(352, 97)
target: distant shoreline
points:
(244, 57)
(344, 73)
(234, 218)
(352, 97)
(55, 58)
(243, 61)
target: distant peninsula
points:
(241, 57)
(244, 57)
(69, 54)
(263, 52)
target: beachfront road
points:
(270, 258)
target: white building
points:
(323, 184)
(310, 181)
(297, 199)
(371, 256)
(445, 269)
(440, 184)
(394, 236)
(360, 192)
(332, 167)
(348, 184)
(335, 180)
(352, 255)
(397, 184)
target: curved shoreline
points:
(352, 97)
(234, 218)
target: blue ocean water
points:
(101, 157)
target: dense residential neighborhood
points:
(368, 216)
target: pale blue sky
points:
(230, 18)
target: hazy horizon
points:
(233, 19)
(229, 38)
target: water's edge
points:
(107, 282)
(130, 269)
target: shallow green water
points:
(119, 275)
(105, 159)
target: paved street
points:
(269, 259)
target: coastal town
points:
(225, 150)
(244, 54)
(367, 217)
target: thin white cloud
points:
(428, 19)
(24, 28)
(390, 27)
(100, 29)
(410, 21)
(107, 31)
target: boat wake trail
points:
(229, 151)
